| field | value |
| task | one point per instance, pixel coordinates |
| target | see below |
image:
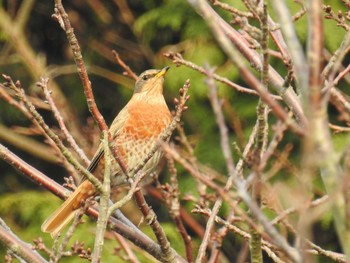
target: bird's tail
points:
(65, 213)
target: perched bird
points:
(134, 132)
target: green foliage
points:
(24, 212)
(333, 35)
(26, 209)
(340, 141)
(163, 17)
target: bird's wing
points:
(114, 129)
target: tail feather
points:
(65, 213)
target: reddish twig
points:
(178, 60)
(187, 218)
(62, 17)
(338, 129)
(339, 17)
(151, 219)
(232, 10)
(124, 244)
(335, 81)
(128, 71)
(170, 193)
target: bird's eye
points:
(145, 77)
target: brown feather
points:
(65, 213)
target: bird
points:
(134, 132)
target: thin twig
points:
(281, 216)
(293, 43)
(36, 67)
(128, 71)
(267, 247)
(178, 60)
(277, 137)
(261, 138)
(232, 10)
(65, 152)
(254, 59)
(151, 219)
(338, 129)
(124, 244)
(59, 253)
(43, 83)
(335, 81)
(133, 188)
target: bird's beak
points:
(162, 72)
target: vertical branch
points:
(104, 199)
(62, 17)
(295, 48)
(315, 53)
(319, 144)
(170, 195)
(225, 146)
(261, 140)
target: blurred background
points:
(32, 45)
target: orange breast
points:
(144, 124)
(147, 121)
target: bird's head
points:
(151, 81)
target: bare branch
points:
(17, 246)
